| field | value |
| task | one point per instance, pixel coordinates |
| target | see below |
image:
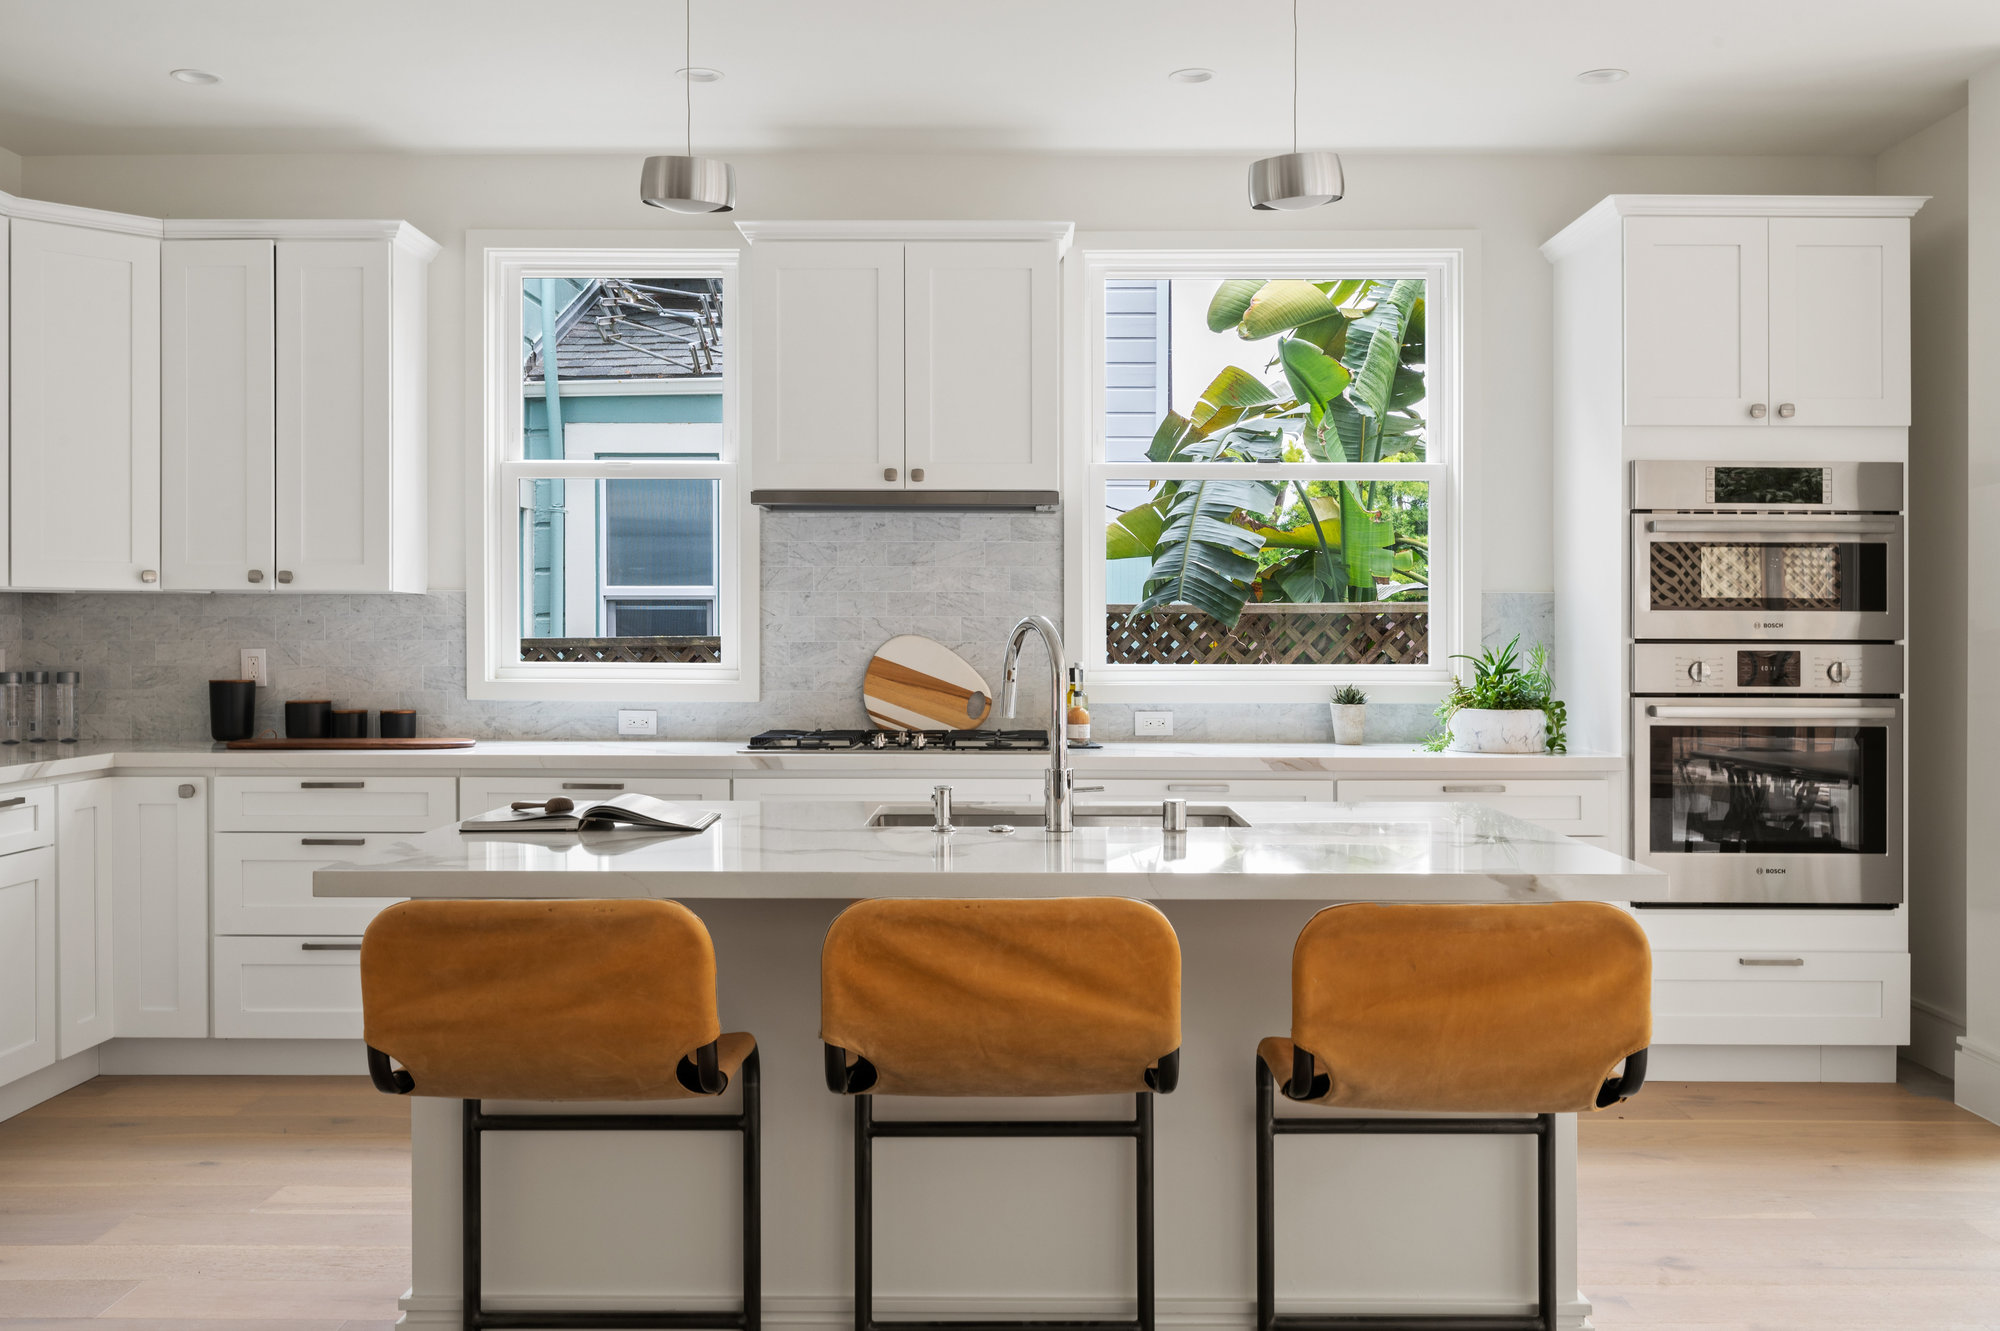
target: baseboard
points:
(1934, 1036)
(233, 1058)
(818, 1313)
(1772, 1062)
(1976, 1078)
(47, 1083)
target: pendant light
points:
(1295, 181)
(688, 184)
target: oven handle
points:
(1765, 526)
(1665, 713)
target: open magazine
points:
(628, 810)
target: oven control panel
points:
(1743, 667)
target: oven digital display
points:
(1767, 670)
(1770, 485)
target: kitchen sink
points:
(1088, 815)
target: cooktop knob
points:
(1837, 672)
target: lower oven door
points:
(1798, 576)
(1788, 800)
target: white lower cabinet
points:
(27, 963)
(263, 883)
(1125, 790)
(897, 789)
(1764, 997)
(1575, 808)
(334, 803)
(288, 988)
(482, 794)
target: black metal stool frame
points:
(703, 1074)
(846, 1080)
(1542, 1128)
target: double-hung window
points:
(1267, 503)
(615, 556)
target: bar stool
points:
(1507, 1009)
(1075, 996)
(559, 1000)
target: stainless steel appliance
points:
(1768, 774)
(1724, 550)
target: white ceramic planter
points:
(1478, 730)
(1350, 721)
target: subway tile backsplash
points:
(835, 587)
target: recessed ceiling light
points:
(1195, 74)
(195, 76)
(699, 74)
(1602, 76)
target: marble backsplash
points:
(835, 587)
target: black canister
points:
(348, 724)
(397, 723)
(232, 709)
(307, 719)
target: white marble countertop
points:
(822, 849)
(728, 757)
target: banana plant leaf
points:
(1316, 379)
(1203, 558)
(1173, 434)
(1304, 536)
(1226, 306)
(1365, 540)
(1283, 305)
(1232, 395)
(1134, 533)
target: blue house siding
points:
(1137, 388)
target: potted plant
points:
(1507, 708)
(1350, 714)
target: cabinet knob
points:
(186, 792)
(284, 575)
(888, 473)
(1787, 410)
(916, 473)
(1757, 411)
(149, 575)
(256, 575)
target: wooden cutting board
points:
(351, 743)
(918, 683)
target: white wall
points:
(1516, 202)
(1933, 162)
(10, 172)
(1978, 1062)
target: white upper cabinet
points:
(914, 357)
(217, 351)
(1840, 321)
(1696, 320)
(85, 407)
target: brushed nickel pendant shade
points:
(1295, 181)
(688, 184)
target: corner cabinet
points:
(906, 357)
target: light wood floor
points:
(281, 1204)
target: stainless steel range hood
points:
(1039, 501)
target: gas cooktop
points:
(948, 741)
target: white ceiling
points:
(1708, 76)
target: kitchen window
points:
(1268, 499)
(617, 553)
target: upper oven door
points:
(1731, 575)
(1793, 800)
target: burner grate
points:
(943, 741)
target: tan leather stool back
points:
(1073, 996)
(542, 1000)
(1497, 1009)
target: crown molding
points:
(1607, 213)
(399, 234)
(40, 210)
(1058, 232)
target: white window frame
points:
(496, 265)
(1448, 263)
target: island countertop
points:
(824, 850)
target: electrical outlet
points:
(256, 665)
(638, 723)
(1152, 723)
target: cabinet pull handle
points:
(1787, 410)
(1496, 788)
(333, 785)
(1758, 411)
(284, 575)
(1220, 789)
(1770, 961)
(149, 575)
(1087, 790)
(888, 473)
(186, 792)
(329, 947)
(333, 841)
(916, 473)
(593, 785)
(18, 799)
(256, 575)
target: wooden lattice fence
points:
(1354, 633)
(642, 651)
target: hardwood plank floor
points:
(282, 1204)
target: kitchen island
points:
(1008, 1228)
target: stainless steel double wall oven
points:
(1767, 681)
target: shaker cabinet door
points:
(27, 963)
(88, 847)
(1840, 321)
(1697, 340)
(159, 903)
(217, 381)
(85, 410)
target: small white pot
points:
(1478, 730)
(1350, 721)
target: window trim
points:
(1447, 260)
(496, 263)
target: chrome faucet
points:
(1059, 787)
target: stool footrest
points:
(1409, 1322)
(485, 1122)
(664, 1319)
(1019, 1127)
(1415, 1127)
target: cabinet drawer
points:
(1759, 997)
(27, 819)
(263, 883)
(288, 988)
(1123, 790)
(477, 795)
(966, 790)
(1581, 808)
(334, 803)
